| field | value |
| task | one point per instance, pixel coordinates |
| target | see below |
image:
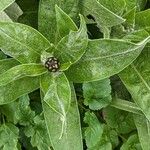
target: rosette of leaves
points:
(81, 60)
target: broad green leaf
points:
(5, 3)
(104, 58)
(132, 143)
(20, 71)
(143, 128)
(22, 42)
(116, 7)
(38, 133)
(136, 78)
(119, 120)
(142, 19)
(4, 17)
(94, 131)
(71, 137)
(9, 135)
(17, 88)
(97, 94)
(47, 16)
(103, 16)
(64, 23)
(71, 48)
(58, 95)
(6, 64)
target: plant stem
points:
(126, 105)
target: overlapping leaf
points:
(5, 3)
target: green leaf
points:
(21, 87)
(143, 128)
(136, 78)
(58, 95)
(71, 137)
(103, 16)
(97, 94)
(142, 19)
(5, 3)
(94, 131)
(116, 7)
(6, 64)
(19, 111)
(99, 136)
(132, 143)
(47, 16)
(71, 48)
(104, 58)
(4, 17)
(38, 133)
(119, 120)
(64, 23)
(9, 135)
(2, 56)
(20, 71)
(22, 42)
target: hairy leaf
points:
(71, 137)
(104, 58)
(20, 71)
(103, 16)
(22, 42)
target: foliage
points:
(98, 99)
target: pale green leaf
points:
(103, 16)
(22, 42)
(58, 95)
(20, 71)
(5, 3)
(9, 135)
(17, 88)
(97, 95)
(71, 137)
(4, 17)
(104, 58)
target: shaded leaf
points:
(9, 135)
(143, 128)
(97, 94)
(136, 79)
